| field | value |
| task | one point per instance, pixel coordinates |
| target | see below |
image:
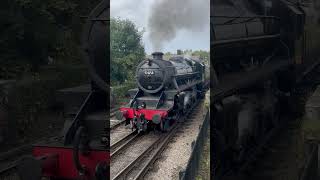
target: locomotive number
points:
(149, 72)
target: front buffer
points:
(140, 119)
(58, 162)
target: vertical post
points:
(267, 6)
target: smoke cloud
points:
(168, 17)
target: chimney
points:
(157, 55)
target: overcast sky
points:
(139, 11)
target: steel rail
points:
(15, 152)
(8, 168)
(22, 149)
(156, 146)
(155, 149)
(117, 124)
(164, 142)
(123, 143)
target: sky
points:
(139, 11)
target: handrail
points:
(160, 98)
(243, 19)
(77, 119)
(270, 28)
(259, 16)
(230, 41)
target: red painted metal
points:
(58, 161)
(149, 113)
(50, 163)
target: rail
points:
(123, 143)
(140, 166)
(10, 171)
(152, 152)
(197, 147)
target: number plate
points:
(149, 72)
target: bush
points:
(122, 90)
(34, 94)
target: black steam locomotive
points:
(273, 44)
(166, 90)
(82, 151)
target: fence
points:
(197, 148)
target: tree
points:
(127, 49)
(204, 55)
(32, 30)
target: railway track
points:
(120, 135)
(137, 168)
(9, 171)
(123, 142)
(113, 111)
(115, 123)
(137, 153)
(124, 159)
(10, 160)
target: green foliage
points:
(205, 55)
(34, 94)
(32, 30)
(122, 90)
(127, 50)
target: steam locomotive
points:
(82, 150)
(273, 44)
(166, 90)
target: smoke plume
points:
(168, 17)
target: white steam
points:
(167, 17)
